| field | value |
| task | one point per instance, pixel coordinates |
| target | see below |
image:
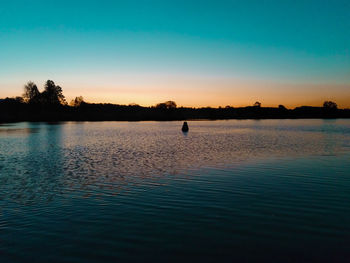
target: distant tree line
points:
(50, 105)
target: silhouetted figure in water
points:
(185, 127)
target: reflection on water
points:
(18, 131)
(144, 190)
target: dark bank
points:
(50, 105)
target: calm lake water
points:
(227, 191)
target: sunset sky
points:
(197, 53)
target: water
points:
(227, 191)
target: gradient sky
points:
(197, 53)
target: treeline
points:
(51, 105)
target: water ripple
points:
(239, 191)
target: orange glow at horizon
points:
(217, 93)
(200, 91)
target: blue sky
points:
(195, 52)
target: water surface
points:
(227, 191)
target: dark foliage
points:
(77, 101)
(31, 93)
(167, 105)
(330, 105)
(257, 104)
(53, 95)
(16, 110)
(50, 105)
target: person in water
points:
(185, 127)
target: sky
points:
(197, 53)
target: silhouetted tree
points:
(161, 106)
(281, 107)
(53, 94)
(31, 93)
(77, 101)
(167, 105)
(19, 99)
(257, 104)
(330, 105)
(170, 104)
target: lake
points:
(226, 191)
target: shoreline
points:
(172, 120)
(12, 110)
